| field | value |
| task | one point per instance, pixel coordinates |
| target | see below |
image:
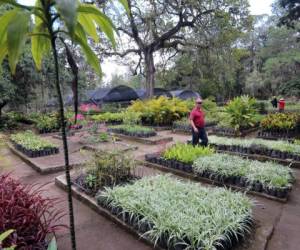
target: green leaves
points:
(68, 12)
(103, 22)
(16, 33)
(91, 57)
(3, 236)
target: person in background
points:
(197, 120)
(274, 102)
(281, 105)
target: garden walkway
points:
(94, 232)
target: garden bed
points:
(32, 145)
(270, 135)
(274, 149)
(185, 127)
(147, 229)
(186, 170)
(133, 130)
(50, 164)
(231, 132)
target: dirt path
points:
(95, 232)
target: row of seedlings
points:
(262, 177)
(275, 149)
(33, 145)
(133, 130)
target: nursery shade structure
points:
(83, 98)
(156, 93)
(185, 94)
(119, 93)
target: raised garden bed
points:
(150, 206)
(235, 182)
(32, 145)
(274, 149)
(232, 132)
(133, 130)
(272, 135)
(185, 127)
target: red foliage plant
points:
(32, 216)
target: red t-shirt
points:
(197, 115)
(281, 104)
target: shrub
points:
(23, 209)
(47, 123)
(89, 109)
(280, 122)
(160, 111)
(108, 117)
(107, 169)
(186, 153)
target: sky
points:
(257, 7)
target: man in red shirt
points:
(197, 120)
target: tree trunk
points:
(150, 73)
(2, 105)
(65, 145)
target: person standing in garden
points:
(281, 105)
(197, 120)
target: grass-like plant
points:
(269, 174)
(182, 214)
(30, 141)
(132, 129)
(31, 216)
(283, 146)
(107, 169)
(186, 153)
(108, 117)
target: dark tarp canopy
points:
(185, 94)
(119, 93)
(156, 92)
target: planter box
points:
(231, 132)
(36, 153)
(237, 183)
(269, 135)
(269, 154)
(155, 140)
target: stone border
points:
(195, 177)
(91, 202)
(147, 141)
(37, 167)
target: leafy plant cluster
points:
(89, 109)
(186, 153)
(109, 117)
(176, 214)
(256, 144)
(28, 140)
(266, 174)
(106, 169)
(160, 111)
(31, 216)
(280, 122)
(132, 130)
(241, 113)
(47, 123)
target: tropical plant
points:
(269, 174)
(132, 129)
(89, 109)
(178, 214)
(54, 21)
(32, 216)
(280, 122)
(241, 112)
(186, 153)
(160, 111)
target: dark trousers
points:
(200, 135)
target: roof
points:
(185, 94)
